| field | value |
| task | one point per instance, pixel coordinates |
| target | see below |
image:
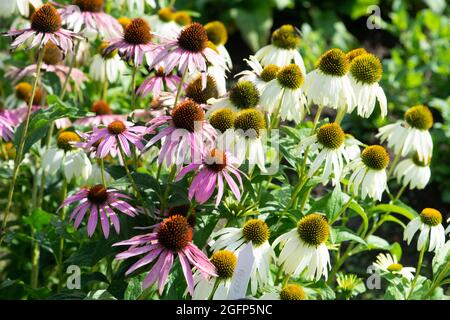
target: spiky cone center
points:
(366, 68)
(195, 91)
(225, 262)
(286, 37)
(193, 38)
(419, 117)
(256, 231)
(355, 53)
(269, 72)
(186, 114)
(23, 91)
(184, 210)
(124, 22)
(331, 135)
(290, 77)
(166, 14)
(292, 292)
(102, 48)
(421, 162)
(183, 18)
(174, 233)
(89, 5)
(244, 95)
(431, 217)
(46, 19)
(251, 121)
(137, 32)
(97, 194)
(333, 63)
(116, 127)
(217, 32)
(216, 160)
(101, 108)
(52, 54)
(313, 229)
(66, 139)
(222, 119)
(375, 157)
(395, 267)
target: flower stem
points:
(71, 66)
(394, 164)
(340, 116)
(60, 264)
(102, 165)
(216, 285)
(133, 88)
(180, 86)
(419, 266)
(19, 154)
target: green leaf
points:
(99, 295)
(331, 204)
(374, 242)
(38, 219)
(134, 288)
(347, 235)
(354, 206)
(396, 250)
(441, 259)
(394, 209)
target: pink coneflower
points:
(88, 16)
(117, 133)
(10, 115)
(216, 166)
(135, 43)
(160, 81)
(103, 115)
(190, 52)
(185, 134)
(45, 27)
(6, 128)
(173, 236)
(101, 202)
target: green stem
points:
(133, 88)
(71, 66)
(216, 285)
(438, 280)
(275, 117)
(419, 266)
(35, 254)
(340, 116)
(286, 280)
(102, 165)
(19, 153)
(60, 263)
(180, 85)
(172, 173)
(394, 164)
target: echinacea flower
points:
(101, 202)
(432, 233)
(329, 142)
(283, 49)
(135, 44)
(283, 96)
(189, 51)
(116, 137)
(9, 7)
(218, 35)
(349, 285)
(185, 136)
(163, 23)
(199, 93)
(304, 248)
(156, 83)
(259, 75)
(216, 166)
(172, 237)
(389, 264)
(257, 232)
(369, 176)
(413, 172)
(410, 134)
(65, 156)
(6, 128)
(103, 115)
(243, 95)
(106, 66)
(87, 16)
(365, 73)
(290, 291)
(328, 84)
(45, 26)
(224, 262)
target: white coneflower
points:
(225, 262)
(304, 248)
(256, 231)
(329, 143)
(243, 95)
(65, 156)
(163, 23)
(413, 172)
(291, 291)
(369, 176)
(410, 134)
(9, 7)
(108, 66)
(259, 75)
(97, 176)
(431, 230)
(218, 35)
(328, 84)
(283, 96)
(389, 263)
(365, 72)
(283, 49)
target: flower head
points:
(432, 233)
(389, 263)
